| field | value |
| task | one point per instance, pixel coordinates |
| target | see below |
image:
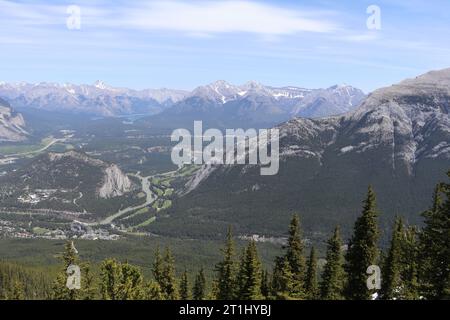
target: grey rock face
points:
(12, 124)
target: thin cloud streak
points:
(194, 18)
(224, 17)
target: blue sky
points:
(183, 44)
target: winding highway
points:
(150, 198)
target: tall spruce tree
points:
(121, 281)
(88, 283)
(311, 286)
(157, 268)
(281, 285)
(445, 267)
(131, 283)
(362, 250)
(169, 283)
(409, 261)
(265, 285)
(199, 289)
(430, 246)
(152, 291)
(296, 259)
(434, 270)
(110, 279)
(60, 291)
(392, 269)
(333, 276)
(184, 286)
(249, 277)
(226, 271)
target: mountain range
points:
(96, 99)
(398, 141)
(219, 103)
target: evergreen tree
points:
(392, 270)
(296, 259)
(265, 285)
(429, 246)
(184, 286)
(60, 291)
(281, 285)
(163, 270)
(249, 277)
(199, 289)
(213, 293)
(131, 283)
(226, 271)
(17, 291)
(311, 285)
(120, 281)
(152, 291)
(444, 289)
(157, 268)
(332, 284)
(362, 251)
(434, 272)
(87, 283)
(409, 261)
(289, 275)
(169, 283)
(109, 280)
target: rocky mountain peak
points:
(114, 182)
(101, 85)
(12, 124)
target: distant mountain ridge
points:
(254, 105)
(252, 101)
(96, 99)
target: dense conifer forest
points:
(415, 265)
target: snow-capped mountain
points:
(223, 92)
(342, 98)
(272, 104)
(255, 105)
(398, 141)
(12, 124)
(96, 99)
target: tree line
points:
(416, 265)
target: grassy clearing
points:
(145, 223)
(168, 192)
(14, 149)
(24, 148)
(40, 231)
(141, 195)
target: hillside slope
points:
(398, 141)
(12, 124)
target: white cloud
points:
(203, 17)
(200, 18)
(363, 37)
